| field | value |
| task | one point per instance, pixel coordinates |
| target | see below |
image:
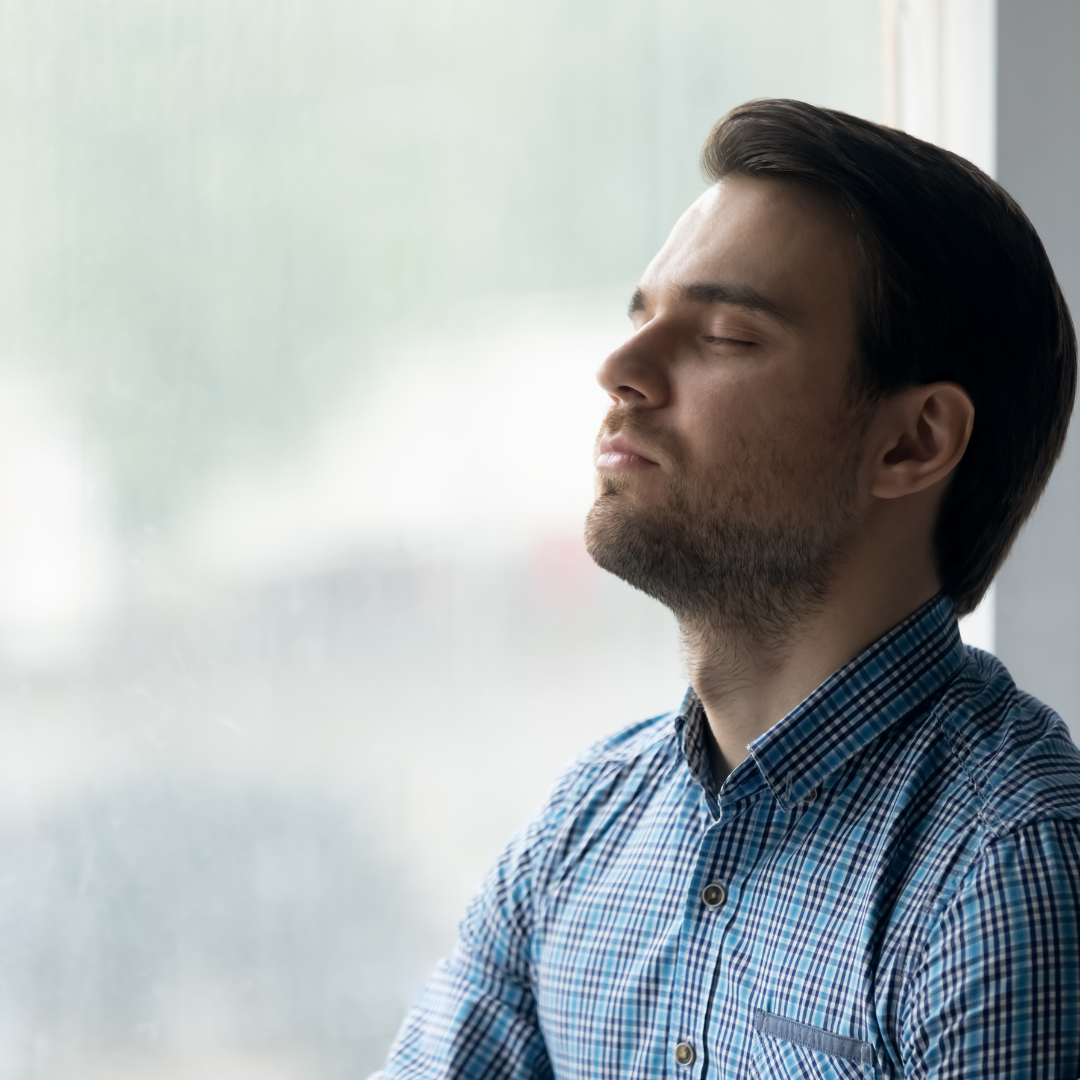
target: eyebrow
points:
(742, 296)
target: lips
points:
(618, 453)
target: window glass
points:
(300, 305)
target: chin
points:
(631, 543)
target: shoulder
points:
(642, 747)
(595, 789)
(614, 778)
(644, 739)
(1017, 756)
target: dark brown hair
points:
(958, 288)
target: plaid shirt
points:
(888, 886)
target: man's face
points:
(727, 468)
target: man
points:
(855, 850)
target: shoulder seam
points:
(977, 780)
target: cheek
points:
(763, 458)
(732, 423)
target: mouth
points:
(619, 454)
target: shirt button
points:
(811, 796)
(714, 896)
(685, 1054)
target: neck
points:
(747, 683)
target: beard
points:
(747, 550)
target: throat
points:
(744, 684)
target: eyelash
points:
(711, 340)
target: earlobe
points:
(924, 433)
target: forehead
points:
(782, 239)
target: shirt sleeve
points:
(478, 1016)
(997, 993)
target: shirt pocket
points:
(786, 1050)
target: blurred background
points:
(300, 305)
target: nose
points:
(637, 373)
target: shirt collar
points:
(845, 713)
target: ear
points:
(921, 435)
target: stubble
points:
(745, 550)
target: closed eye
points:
(712, 340)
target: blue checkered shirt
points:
(888, 886)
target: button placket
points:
(702, 931)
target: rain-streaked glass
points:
(300, 306)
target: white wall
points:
(1038, 152)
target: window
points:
(300, 304)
